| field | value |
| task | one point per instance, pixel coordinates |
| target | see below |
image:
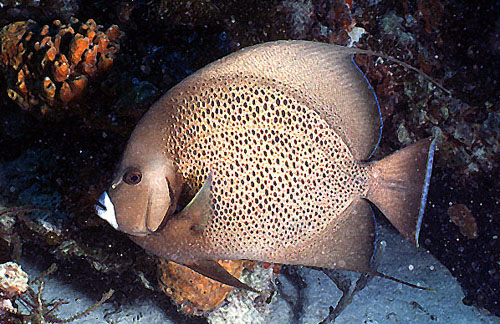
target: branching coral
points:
(15, 290)
(48, 66)
(8, 220)
(40, 310)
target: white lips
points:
(108, 212)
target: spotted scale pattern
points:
(279, 170)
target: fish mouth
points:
(106, 210)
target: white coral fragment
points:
(13, 280)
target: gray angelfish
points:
(273, 143)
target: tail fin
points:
(399, 184)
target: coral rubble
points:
(21, 302)
(48, 66)
(243, 306)
(13, 280)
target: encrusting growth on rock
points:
(462, 217)
(48, 66)
(193, 293)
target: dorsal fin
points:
(322, 72)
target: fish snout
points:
(106, 210)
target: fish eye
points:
(132, 177)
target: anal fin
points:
(345, 244)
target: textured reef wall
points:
(48, 66)
(66, 111)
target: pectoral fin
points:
(199, 209)
(215, 271)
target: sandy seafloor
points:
(382, 301)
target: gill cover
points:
(143, 191)
(140, 206)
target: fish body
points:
(268, 147)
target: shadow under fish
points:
(273, 143)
